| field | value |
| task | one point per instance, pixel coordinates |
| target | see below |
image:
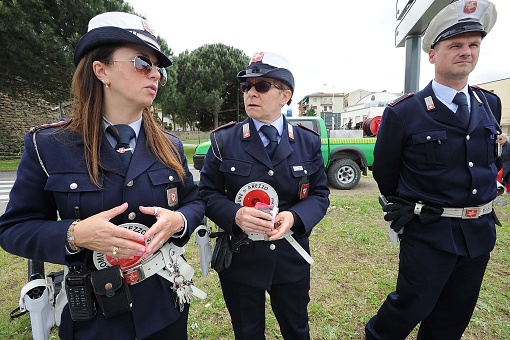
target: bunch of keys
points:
(183, 291)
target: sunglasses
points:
(144, 65)
(260, 87)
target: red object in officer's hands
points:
(125, 263)
(255, 197)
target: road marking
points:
(5, 188)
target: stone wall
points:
(17, 116)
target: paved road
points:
(7, 180)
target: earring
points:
(105, 84)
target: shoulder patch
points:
(48, 126)
(482, 89)
(169, 133)
(308, 129)
(401, 98)
(224, 126)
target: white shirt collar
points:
(446, 94)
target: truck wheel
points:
(344, 174)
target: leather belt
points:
(468, 212)
(289, 238)
(167, 263)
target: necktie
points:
(463, 110)
(123, 134)
(271, 133)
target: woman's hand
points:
(168, 223)
(99, 234)
(252, 220)
(283, 222)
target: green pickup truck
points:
(345, 158)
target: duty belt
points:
(468, 212)
(463, 213)
(166, 262)
(289, 238)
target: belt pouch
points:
(111, 291)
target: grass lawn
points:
(355, 268)
(9, 165)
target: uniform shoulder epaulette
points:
(48, 126)
(169, 133)
(401, 98)
(232, 123)
(308, 129)
(484, 90)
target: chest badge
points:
(429, 103)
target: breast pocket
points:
(303, 169)
(430, 149)
(75, 191)
(234, 167)
(165, 187)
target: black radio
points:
(80, 295)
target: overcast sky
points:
(347, 45)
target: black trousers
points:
(289, 301)
(435, 287)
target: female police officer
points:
(75, 185)
(287, 173)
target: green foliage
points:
(207, 85)
(38, 38)
(311, 112)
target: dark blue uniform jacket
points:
(242, 159)
(424, 155)
(29, 227)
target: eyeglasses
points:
(144, 65)
(260, 87)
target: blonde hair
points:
(87, 92)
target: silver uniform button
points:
(429, 138)
(171, 178)
(474, 191)
(470, 164)
(130, 184)
(272, 246)
(233, 168)
(270, 172)
(132, 216)
(73, 186)
(306, 171)
(468, 137)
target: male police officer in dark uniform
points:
(288, 174)
(435, 162)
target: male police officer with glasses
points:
(266, 160)
(434, 160)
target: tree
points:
(38, 38)
(311, 112)
(207, 85)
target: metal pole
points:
(238, 101)
(333, 104)
(412, 70)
